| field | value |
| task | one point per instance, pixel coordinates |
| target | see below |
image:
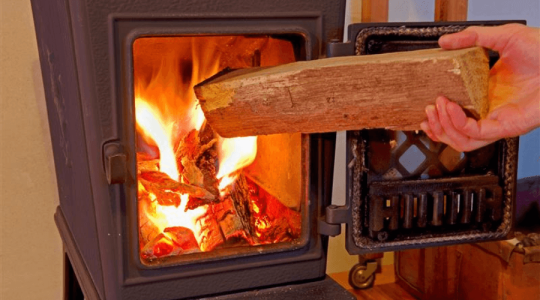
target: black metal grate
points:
(434, 206)
(430, 204)
(399, 155)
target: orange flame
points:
(235, 154)
(171, 216)
(152, 127)
(166, 104)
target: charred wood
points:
(239, 194)
(156, 182)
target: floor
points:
(384, 288)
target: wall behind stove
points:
(30, 247)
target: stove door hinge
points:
(115, 162)
(335, 48)
(330, 223)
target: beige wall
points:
(30, 247)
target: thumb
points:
(459, 40)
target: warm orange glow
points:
(173, 108)
(170, 216)
(178, 213)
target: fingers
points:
(486, 129)
(493, 37)
(468, 126)
(462, 39)
(425, 127)
(445, 124)
(433, 121)
(454, 137)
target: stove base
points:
(315, 290)
(78, 278)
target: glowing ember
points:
(170, 216)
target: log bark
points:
(344, 93)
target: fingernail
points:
(441, 103)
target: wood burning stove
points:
(155, 205)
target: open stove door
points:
(405, 191)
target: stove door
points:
(406, 191)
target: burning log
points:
(207, 166)
(163, 197)
(172, 241)
(148, 166)
(196, 155)
(205, 148)
(229, 221)
(192, 173)
(182, 237)
(344, 93)
(239, 194)
(188, 146)
(207, 134)
(160, 246)
(157, 182)
(211, 234)
(273, 222)
(147, 230)
(206, 158)
(146, 163)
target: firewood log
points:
(239, 194)
(344, 93)
(157, 181)
(230, 222)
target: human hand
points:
(514, 89)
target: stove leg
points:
(72, 289)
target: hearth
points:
(155, 205)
